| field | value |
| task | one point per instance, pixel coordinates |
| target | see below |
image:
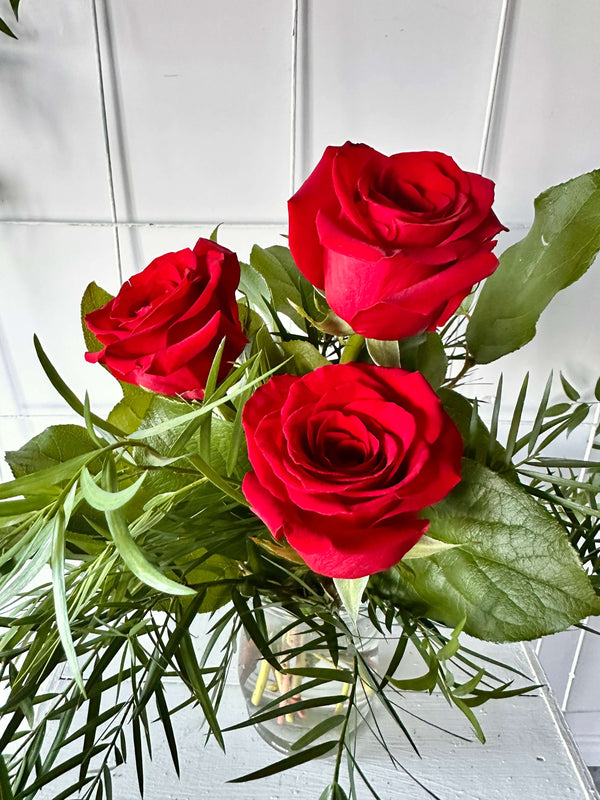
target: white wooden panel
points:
(529, 753)
(584, 691)
(546, 129)
(45, 269)
(52, 163)
(203, 93)
(140, 246)
(399, 75)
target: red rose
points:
(163, 328)
(396, 243)
(344, 458)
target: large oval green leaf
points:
(559, 248)
(514, 576)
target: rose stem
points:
(282, 681)
(352, 348)
(345, 689)
(261, 682)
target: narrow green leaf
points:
(466, 688)
(450, 649)
(94, 721)
(87, 416)
(214, 235)
(61, 769)
(423, 683)
(290, 708)
(494, 422)
(516, 421)
(561, 245)
(539, 417)
(569, 389)
(138, 753)
(460, 704)
(40, 482)
(322, 673)
(287, 763)
(131, 554)
(57, 562)
(165, 719)
(14, 4)
(194, 673)
(5, 790)
(69, 396)
(107, 501)
(5, 29)
(320, 729)
(174, 422)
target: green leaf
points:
(287, 763)
(14, 4)
(254, 287)
(93, 298)
(215, 233)
(5, 29)
(284, 280)
(557, 251)
(515, 575)
(54, 446)
(384, 353)
(351, 591)
(334, 792)
(306, 357)
(131, 410)
(425, 353)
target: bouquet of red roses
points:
(292, 437)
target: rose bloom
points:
(163, 328)
(344, 458)
(396, 243)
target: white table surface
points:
(529, 753)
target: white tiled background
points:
(131, 127)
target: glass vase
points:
(297, 645)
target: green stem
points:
(352, 348)
(469, 363)
(338, 760)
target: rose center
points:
(342, 451)
(403, 194)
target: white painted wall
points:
(130, 127)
